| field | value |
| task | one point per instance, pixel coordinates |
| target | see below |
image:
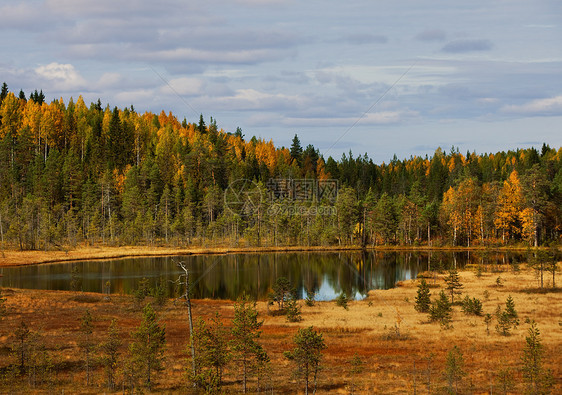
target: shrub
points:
(440, 310)
(342, 300)
(423, 300)
(471, 306)
(292, 311)
(310, 295)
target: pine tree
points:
(87, 343)
(440, 310)
(454, 285)
(454, 369)
(109, 351)
(3, 309)
(423, 300)
(292, 311)
(282, 291)
(211, 354)
(505, 379)
(245, 332)
(507, 318)
(538, 379)
(21, 348)
(356, 369)
(307, 354)
(147, 350)
(510, 309)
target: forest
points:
(73, 174)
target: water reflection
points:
(227, 276)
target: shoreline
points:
(11, 258)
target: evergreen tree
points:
(454, 285)
(147, 349)
(296, 150)
(21, 348)
(441, 310)
(87, 344)
(3, 309)
(504, 379)
(109, 351)
(245, 333)
(507, 318)
(454, 369)
(307, 354)
(202, 127)
(211, 354)
(423, 301)
(510, 309)
(282, 291)
(471, 306)
(538, 379)
(293, 311)
(4, 92)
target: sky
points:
(382, 77)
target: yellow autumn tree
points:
(510, 205)
(460, 209)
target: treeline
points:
(72, 173)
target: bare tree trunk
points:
(189, 315)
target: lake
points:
(227, 276)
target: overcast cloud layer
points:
(387, 77)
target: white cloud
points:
(62, 76)
(548, 106)
(134, 96)
(109, 80)
(183, 86)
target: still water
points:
(227, 276)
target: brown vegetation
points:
(31, 257)
(384, 330)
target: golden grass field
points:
(12, 257)
(392, 365)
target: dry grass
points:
(19, 258)
(367, 329)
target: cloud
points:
(24, 16)
(548, 106)
(249, 99)
(62, 76)
(432, 35)
(361, 39)
(134, 96)
(109, 80)
(184, 86)
(467, 45)
(376, 118)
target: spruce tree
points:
(296, 150)
(454, 285)
(510, 309)
(423, 300)
(4, 92)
